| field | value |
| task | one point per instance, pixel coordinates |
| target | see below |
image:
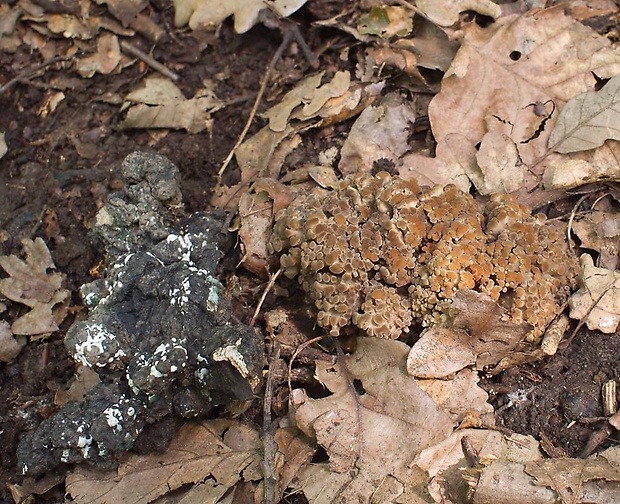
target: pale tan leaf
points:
(483, 334)
(376, 432)
(105, 60)
(380, 132)
(159, 103)
(565, 171)
(501, 81)
(598, 298)
(9, 346)
(587, 120)
(211, 13)
(498, 159)
(220, 452)
(600, 231)
(454, 163)
(3, 147)
(461, 397)
(30, 284)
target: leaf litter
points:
(501, 142)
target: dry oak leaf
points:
(211, 13)
(370, 438)
(213, 455)
(600, 231)
(30, 284)
(159, 103)
(588, 119)
(598, 298)
(508, 77)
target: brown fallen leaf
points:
(105, 60)
(500, 83)
(600, 231)
(380, 132)
(211, 13)
(598, 299)
(446, 13)
(9, 346)
(159, 103)
(483, 335)
(215, 455)
(30, 284)
(371, 437)
(587, 120)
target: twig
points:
(272, 280)
(269, 428)
(149, 60)
(297, 351)
(29, 71)
(288, 36)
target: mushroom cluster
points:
(380, 253)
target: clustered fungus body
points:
(380, 253)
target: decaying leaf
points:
(483, 334)
(30, 284)
(370, 438)
(454, 163)
(3, 147)
(105, 60)
(211, 13)
(386, 22)
(309, 93)
(575, 480)
(572, 170)
(446, 13)
(588, 119)
(214, 455)
(600, 231)
(500, 82)
(125, 11)
(380, 132)
(598, 299)
(9, 346)
(159, 103)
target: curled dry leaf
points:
(211, 13)
(483, 334)
(105, 60)
(587, 120)
(9, 346)
(214, 455)
(380, 132)
(598, 299)
(30, 284)
(600, 231)
(3, 147)
(370, 438)
(159, 103)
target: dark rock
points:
(160, 332)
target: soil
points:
(61, 166)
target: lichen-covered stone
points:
(381, 253)
(159, 332)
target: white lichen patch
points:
(114, 417)
(97, 342)
(230, 353)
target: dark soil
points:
(60, 167)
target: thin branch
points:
(30, 71)
(149, 60)
(288, 36)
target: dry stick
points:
(29, 71)
(288, 36)
(272, 280)
(269, 428)
(149, 60)
(297, 351)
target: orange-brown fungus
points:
(380, 253)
